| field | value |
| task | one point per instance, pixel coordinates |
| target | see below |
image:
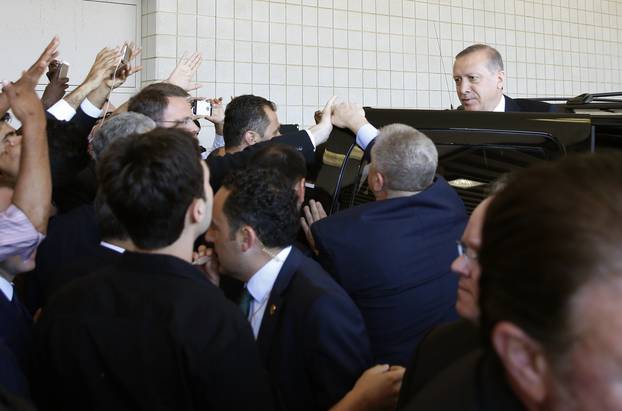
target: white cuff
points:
(312, 139)
(219, 141)
(62, 110)
(365, 135)
(90, 109)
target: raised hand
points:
(207, 260)
(25, 103)
(31, 77)
(105, 63)
(321, 131)
(55, 90)
(313, 212)
(348, 115)
(184, 72)
(126, 70)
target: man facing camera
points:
(150, 331)
(393, 255)
(310, 335)
(480, 78)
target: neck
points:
(386, 195)
(181, 248)
(236, 149)
(261, 257)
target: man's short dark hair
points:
(149, 181)
(285, 159)
(153, 99)
(265, 200)
(245, 113)
(555, 228)
(495, 62)
(109, 226)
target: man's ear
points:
(524, 361)
(500, 80)
(250, 137)
(197, 210)
(376, 180)
(247, 238)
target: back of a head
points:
(406, 157)
(149, 180)
(263, 199)
(120, 126)
(495, 61)
(153, 99)
(555, 228)
(109, 227)
(285, 159)
(245, 113)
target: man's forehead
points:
(473, 61)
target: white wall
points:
(383, 52)
(84, 27)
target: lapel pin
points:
(272, 309)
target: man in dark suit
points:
(310, 335)
(549, 295)
(168, 106)
(149, 332)
(479, 76)
(447, 343)
(392, 256)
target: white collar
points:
(261, 283)
(6, 288)
(112, 247)
(501, 106)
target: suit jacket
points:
(147, 333)
(477, 382)
(94, 259)
(393, 258)
(70, 236)
(221, 166)
(16, 330)
(312, 337)
(439, 349)
(525, 105)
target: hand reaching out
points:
(206, 259)
(55, 90)
(184, 72)
(125, 70)
(31, 77)
(321, 131)
(313, 212)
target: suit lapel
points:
(510, 105)
(276, 303)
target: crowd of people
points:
(141, 271)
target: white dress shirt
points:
(501, 106)
(6, 288)
(260, 285)
(63, 110)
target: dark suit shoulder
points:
(527, 106)
(440, 348)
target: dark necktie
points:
(245, 302)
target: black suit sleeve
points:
(221, 166)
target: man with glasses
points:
(169, 106)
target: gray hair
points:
(120, 126)
(406, 157)
(495, 62)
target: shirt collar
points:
(261, 283)
(6, 288)
(112, 247)
(501, 106)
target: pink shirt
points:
(17, 234)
